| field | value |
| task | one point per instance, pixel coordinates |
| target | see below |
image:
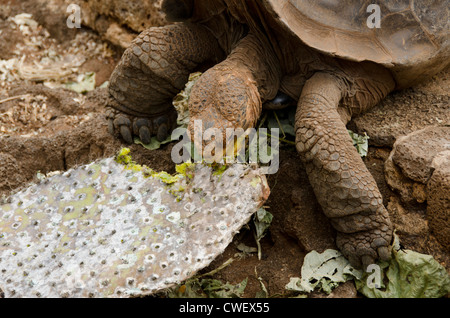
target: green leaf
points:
(154, 143)
(166, 177)
(216, 289)
(360, 142)
(84, 83)
(185, 168)
(409, 275)
(104, 85)
(190, 289)
(262, 221)
(285, 125)
(207, 287)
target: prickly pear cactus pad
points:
(115, 229)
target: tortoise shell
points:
(410, 37)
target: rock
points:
(9, 167)
(118, 21)
(438, 189)
(136, 15)
(415, 152)
(410, 164)
(418, 168)
(406, 111)
(397, 181)
(52, 15)
(119, 36)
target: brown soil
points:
(70, 130)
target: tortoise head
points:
(224, 103)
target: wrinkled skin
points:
(249, 69)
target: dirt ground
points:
(46, 127)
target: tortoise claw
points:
(384, 253)
(129, 126)
(122, 121)
(123, 124)
(366, 261)
(125, 132)
(139, 123)
(163, 128)
(354, 261)
(163, 132)
(111, 126)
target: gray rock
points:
(418, 168)
(415, 152)
(410, 164)
(438, 189)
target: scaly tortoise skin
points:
(322, 54)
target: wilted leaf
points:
(25, 19)
(104, 85)
(263, 293)
(322, 270)
(85, 83)
(360, 142)
(112, 205)
(216, 289)
(410, 275)
(246, 249)
(207, 288)
(262, 221)
(155, 144)
(407, 275)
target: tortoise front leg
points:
(342, 184)
(151, 72)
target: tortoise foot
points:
(145, 127)
(365, 248)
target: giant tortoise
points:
(337, 59)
